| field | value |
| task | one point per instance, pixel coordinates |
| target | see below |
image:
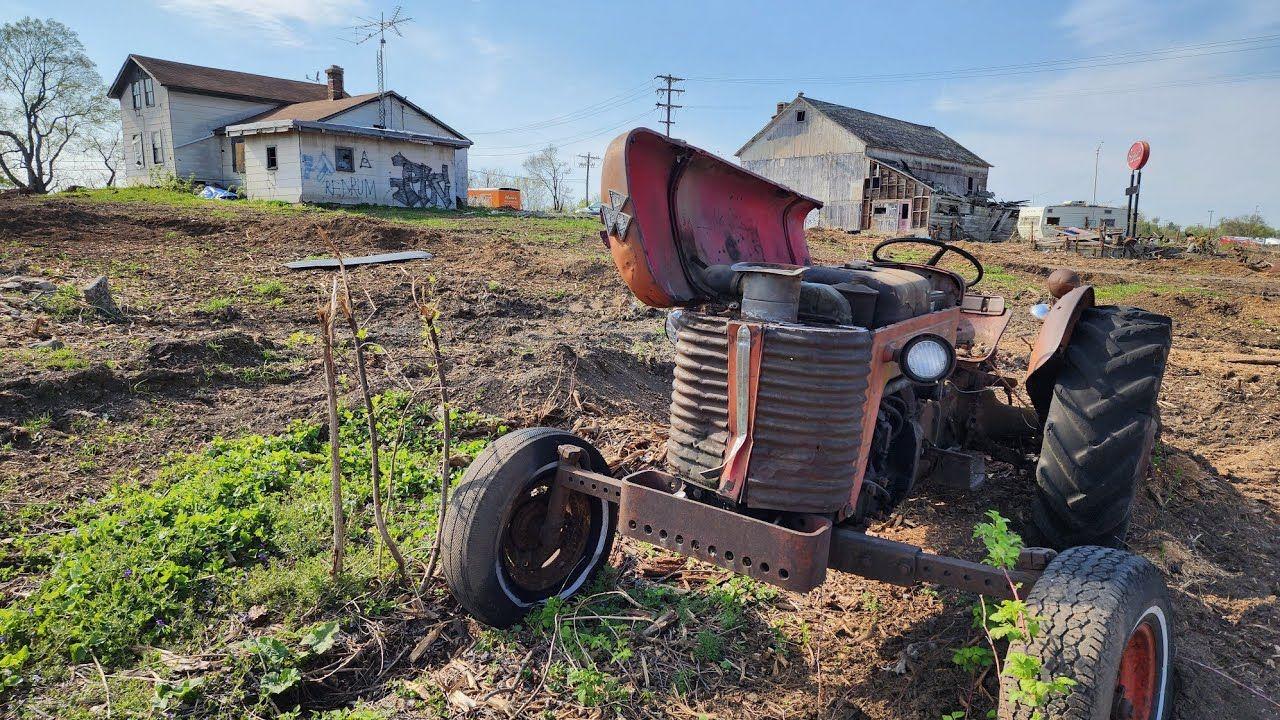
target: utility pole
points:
(1097, 154)
(586, 163)
(670, 90)
(1211, 221)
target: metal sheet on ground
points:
(326, 263)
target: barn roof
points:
(215, 81)
(887, 133)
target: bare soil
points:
(539, 329)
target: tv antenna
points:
(370, 28)
(314, 77)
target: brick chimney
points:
(778, 112)
(334, 74)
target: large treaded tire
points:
(481, 508)
(1101, 427)
(1092, 602)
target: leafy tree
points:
(1252, 225)
(50, 100)
(548, 171)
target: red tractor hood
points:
(672, 210)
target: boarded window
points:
(137, 150)
(136, 89)
(799, 116)
(157, 148)
(149, 91)
(237, 155)
(344, 159)
(271, 157)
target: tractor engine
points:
(769, 400)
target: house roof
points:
(289, 125)
(321, 110)
(214, 81)
(886, 133)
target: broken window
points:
(157, 148)
(149, 92)
(1052, 220)
(237, 155)
(879, 210)
(271, 157)
(344, 159)
(906, 211)
(137, 150)
(136, 89)
(799, 116)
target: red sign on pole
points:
(1139, 154)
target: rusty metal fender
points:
(1055, 334)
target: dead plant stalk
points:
(429, 315)
(326, 313)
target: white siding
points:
(138, 166)
(815, 157)
(1033, 222)
(194, 117)
(370, 182)
(399, 117)
(283, 183)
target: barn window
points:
(799, 116)
(879, 210)
(875, 182)
(149, 91)
(344, 159)
(237, 155)
(970, 184)
(906, 211)
(157, 148)
(1052, 220)
(271, 157)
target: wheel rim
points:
(530, 572)
(1138, 682)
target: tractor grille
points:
(809, 408)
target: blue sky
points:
(1199, 80)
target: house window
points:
(137, 150)
(157, 148)
(237, 155)
(136, 89)
(344, 159)
(970, 184)
(149, 92)
(799, 116)
(271, 157)
(1052, 220)
(1106, 212)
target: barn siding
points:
(949, 176)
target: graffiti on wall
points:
(319, 165)
(350, 188)
(364, 160)
(419, 186)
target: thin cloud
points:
(286, 21)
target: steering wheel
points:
(943, 249)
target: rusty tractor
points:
(809, 400)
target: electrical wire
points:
(524, 149)
(621, 100)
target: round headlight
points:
(927, 358)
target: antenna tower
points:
(370, 28)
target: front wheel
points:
(492, 553)
(1105, 622)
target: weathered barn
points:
(280, 139)
(877, 173)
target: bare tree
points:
(50, 97)
(546, 170)
(108, 146)
(491, 177)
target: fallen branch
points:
(326, 314)
(1252, 359)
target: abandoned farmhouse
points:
(279, 139)
(878, 173)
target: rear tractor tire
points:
(1106, 623)
(492, 553)
(1101, 427)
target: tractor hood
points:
(672, 211)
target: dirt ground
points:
(539, 329)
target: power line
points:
(523, 149)
(620, 100)
(1261, 42)
(670, 89)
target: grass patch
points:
(63, 303)
(269, 289)
(217, 306)
(244, 522)
(1119, 292)
(45, 359)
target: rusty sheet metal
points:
(745, 348)
(810, 401)
(795, 559)
(883, 368)
(983, 319)
(1054, 335)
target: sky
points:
(1033, 88)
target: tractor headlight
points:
(673, 330)
(927, 358)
